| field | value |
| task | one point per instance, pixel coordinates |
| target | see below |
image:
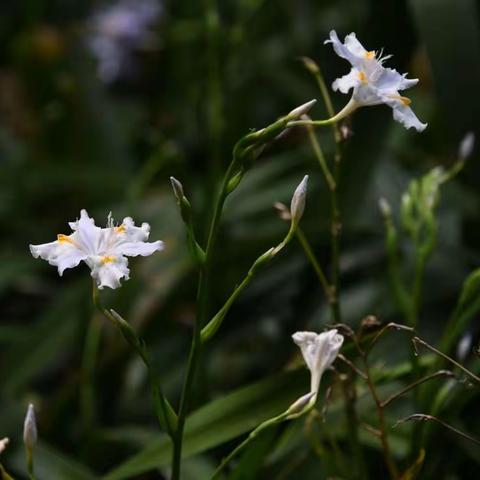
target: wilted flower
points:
(104, 250)
(118, 31)
(319, 352)
(30, 428)
(371, 82)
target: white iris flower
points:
(104, 250)
(319, 352)
(371, 82)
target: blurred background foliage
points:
(100, 102)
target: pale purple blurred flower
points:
(118, 31)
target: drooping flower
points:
(372, 83)
(104, 250)
(319, 352)
(118, 31)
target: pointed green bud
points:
(298, 406)
(181, 199)
(297, 206)
(296, 113)
(30, 428)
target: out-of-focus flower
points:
(30, 428)
(371, 82)
(319, 352)
(466, 145)
(104, 250)
(120, 30)
(3, 444)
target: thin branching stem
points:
(421, 417)
(417, 340)
(439, 373)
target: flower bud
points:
(466, 145)
(299, 405)
(3, 444)
(301, 110)
(298, 201)
(30, 428)
(385, 207)
(310, 65)
(181, 199)
(177, 190)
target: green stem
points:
(263, 426)
(165, 413)
(30, 469)
(349, 108)
(321, 158)
(92, 343)
(315, 263)
(202, 313)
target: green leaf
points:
(221, 420)
(53, 464)
(468, 305)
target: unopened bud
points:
(301, 110)
(177, 189)
(298, 201)
(181, 199)
(30, 428)
(466, 145)
(3, 444)
(299, 405)
(310, 65)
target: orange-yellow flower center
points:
(64, 239)
(362, 76)
(120, 229)
(107, 259)
(369, 55)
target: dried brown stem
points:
(352, 366)
(417, 340)
(421, 417)
(439, 373)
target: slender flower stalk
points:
(166, 416)
(245, 152)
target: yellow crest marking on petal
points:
(107, 259)
(120, 229)
(405, 100)
(64, 239)
(369, 55)
(362, 76)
